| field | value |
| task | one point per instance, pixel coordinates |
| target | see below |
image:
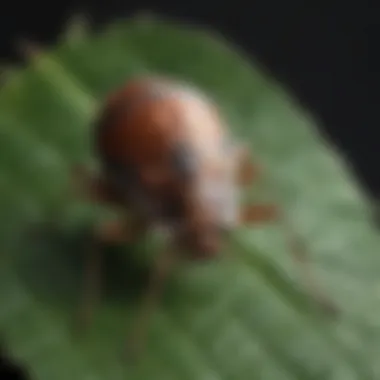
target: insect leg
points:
(299, 254)
(107, 232)
(91, 283)
(267, 213)
(118, 231)
(92, 187)
(247, 171)
(253, 213)
(163, 267)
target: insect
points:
(166, 156)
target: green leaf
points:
(241, 317)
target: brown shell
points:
(145, 119)
(172, 139)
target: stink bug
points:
(167, 157)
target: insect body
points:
(167, 157)
(164, 148)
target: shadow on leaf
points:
(53, 263)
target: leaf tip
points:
(77, 27)
(144, 17)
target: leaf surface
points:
(242, 317)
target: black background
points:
(319, 49)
